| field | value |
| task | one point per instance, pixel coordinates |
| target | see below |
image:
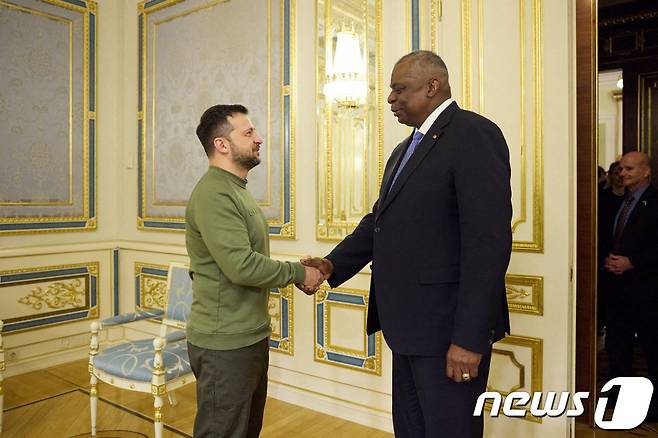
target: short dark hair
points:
(426, 58)
(214, 123)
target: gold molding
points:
(537, 242)
(93, 311)
(436, 11)
(522, 135)
(466, 54)
(89, 222)
(518, 365)
(287, 229)
(154, 292)
(46, 268)
(91, 5)
(379, 91)
(363, 352)
(140, 265)
(56, 296)
(156, 23)
(286, 345)
(480, 26)
(435, 17)
(515, 288)
(69, 24)
(58, 311)
(372, 364)
(147, 10)
(535, 345)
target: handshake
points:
(317, 270)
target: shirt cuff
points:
(300, 272)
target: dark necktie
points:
(418, 136)
(621, 222)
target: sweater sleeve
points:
(224, 231)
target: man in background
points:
(226, 235)
(632, 280)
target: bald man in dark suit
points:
(439, 240)
(632, 275)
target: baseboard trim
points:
(41, 362)
(324, 404)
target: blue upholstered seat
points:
(134, 360)
(158, 365)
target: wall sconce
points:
(345, 82)
(349, 107)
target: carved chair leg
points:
(172, 398)
(2, 374)
(2, 401)
(93, 403)
(157, 404)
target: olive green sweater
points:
(226, 235)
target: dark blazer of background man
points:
(439, 240)
(632, 280)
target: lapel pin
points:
(435, 136)
(645, 202)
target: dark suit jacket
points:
(639, 242)
(439, 242)
(608, 207)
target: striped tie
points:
(418, 136)
(621, 223)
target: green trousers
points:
(231, 388)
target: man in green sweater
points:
(226, 235)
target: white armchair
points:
(157, 366)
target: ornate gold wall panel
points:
(48, 295)
(526, 150)
(517, 365)
(150, 286)
(350, 140)
(466, 97)
(255, 70)
(340, 331)
(281, 309)
(512, 91)
(525, 294)
(47, 115)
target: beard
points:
(243, 160)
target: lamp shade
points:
(345, 82)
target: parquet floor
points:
(54, 403)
